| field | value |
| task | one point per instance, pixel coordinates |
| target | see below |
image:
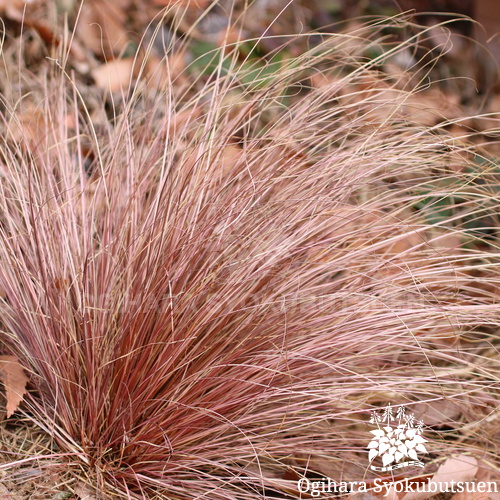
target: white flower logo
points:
(396, 442)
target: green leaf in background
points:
(436, 209)
(254, 72)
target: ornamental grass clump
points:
(213, 289)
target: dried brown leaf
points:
(164, 72)
(14, 8)
(28, 125)
(14, 380)
(101, 27)
(438, 412)
(459, 469)
(484, 474)
(115, 75)
(432, 106)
